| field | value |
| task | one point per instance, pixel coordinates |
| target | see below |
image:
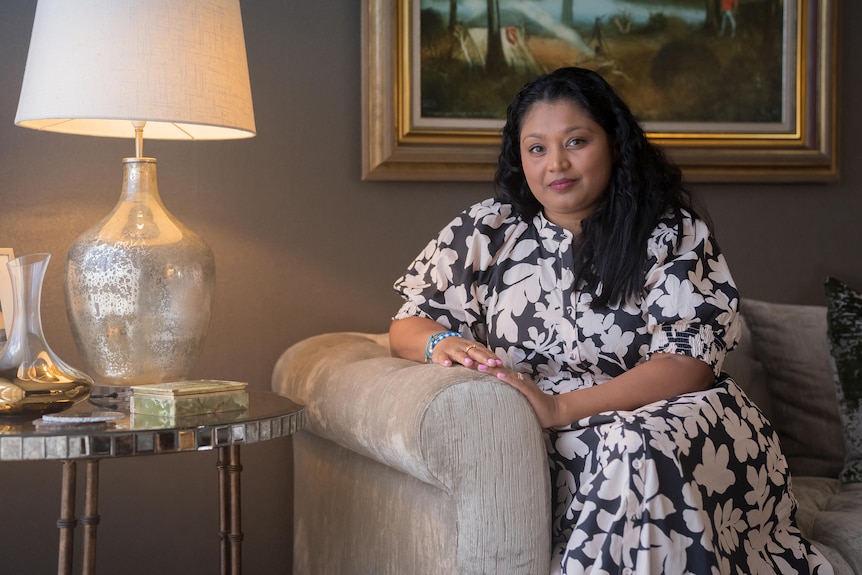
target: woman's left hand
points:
(546, 406)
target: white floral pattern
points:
(692, 484)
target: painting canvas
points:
(686, 65)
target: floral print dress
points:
(692, 484)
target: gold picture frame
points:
(398, 145)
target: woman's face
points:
(567, 161)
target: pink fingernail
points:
(482, 367)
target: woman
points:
(592, 286)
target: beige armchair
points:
(408, 468)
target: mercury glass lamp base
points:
(139, 289)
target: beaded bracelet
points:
(434, 340)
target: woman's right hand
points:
(462, 351)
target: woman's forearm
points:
(408, 336)
(661, 377)
(664, 375)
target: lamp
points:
(139, 285)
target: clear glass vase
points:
(33, 380)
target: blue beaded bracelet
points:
(434, 340)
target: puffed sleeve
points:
(692, 302)
(441, 282)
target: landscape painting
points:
(679, 62)
(733, 90)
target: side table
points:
(268, 416)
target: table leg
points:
(235, 511)
(224, 511)
(230, 510)
(67, 521)
(90, 520)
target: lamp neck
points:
(139, 179)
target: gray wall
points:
(302, 247)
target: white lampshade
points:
(94, 66)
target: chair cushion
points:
(791, 343)
(828, 515)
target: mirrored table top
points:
(268, 416)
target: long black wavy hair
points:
(644, 184)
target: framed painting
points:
(6, 301)
(745, 94)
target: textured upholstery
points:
(411, 468)
(402, 467)
(830, 515)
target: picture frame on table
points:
(433, 108)
(7, 302)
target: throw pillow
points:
(790, 342)
(844, 317)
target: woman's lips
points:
(561, 184)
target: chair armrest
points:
(411, 416)
(472, 438)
